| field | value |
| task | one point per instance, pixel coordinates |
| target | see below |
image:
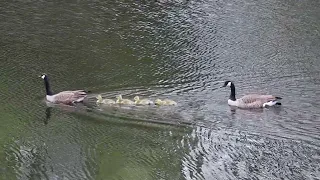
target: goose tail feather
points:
(277, 97)
(271, 103)
(85, 91)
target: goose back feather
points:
(68, 97)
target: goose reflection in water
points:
(48, 115)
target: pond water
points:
(182, 50)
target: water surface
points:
(182, 50)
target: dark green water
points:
(182, 50)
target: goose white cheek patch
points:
(43, 76)
(229, 84)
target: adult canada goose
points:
(104, 101)
(65, 97)
(165, 102)
(139, 101)
(251, 100)
(123, 101)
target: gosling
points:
(164, 102)
(100, 100)
(139, 101)
(123, 101)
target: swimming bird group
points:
(72, 97)
(137, 101)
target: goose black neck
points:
(233, 92)
(47, 85)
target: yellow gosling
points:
(99, 99)
(170, 102)
(123, 101)
(165, 102)
(104, 101)
(139, 101)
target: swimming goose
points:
(165, 102)
(139, 101)
(123, 101)
(65, 97)
(104, 101)
(251, 100)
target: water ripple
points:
(182, 50)
(244, 155)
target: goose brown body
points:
(68, 97)
(254, 100)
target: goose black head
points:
(43, 76)
(227, 83)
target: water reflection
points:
(48, 115)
